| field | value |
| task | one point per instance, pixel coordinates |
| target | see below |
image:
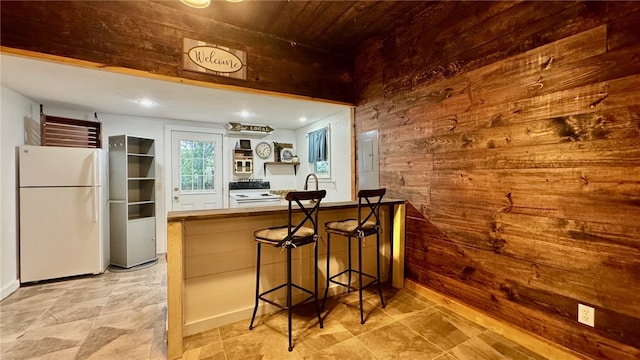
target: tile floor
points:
(109, 316)
(409, 327)
(122, 316)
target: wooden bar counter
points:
(211, 262)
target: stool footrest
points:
(331, 279)
(284, 307)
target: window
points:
(197, 165)
(319, 158)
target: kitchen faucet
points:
(306, 182)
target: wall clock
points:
(263, 150)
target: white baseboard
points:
(9, 289)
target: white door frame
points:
(168, 171)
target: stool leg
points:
(360, 278)
(289, 307)
(326, 289)
(349, 272)
(378, 267)
(255, 309)
(315, 294)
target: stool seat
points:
(350, 227)
(278, 235)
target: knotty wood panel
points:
(514, 136)
(470, 41)
(441, 262)
(148, 36)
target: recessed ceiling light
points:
(198, 4)
(146, 102)
(302, 119)
(245, 114)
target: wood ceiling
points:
(334, 26)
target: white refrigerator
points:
(62, 209)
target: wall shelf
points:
(280, 163)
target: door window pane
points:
(197, 165)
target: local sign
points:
(213, 59)
(233, 126)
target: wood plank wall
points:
(513, 129)
(148, 36)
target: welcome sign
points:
(214, 59)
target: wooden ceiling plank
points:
(313, 13)
(375, 21)
(325, 19)
(255, 15)
(281, 24)
(344, 23)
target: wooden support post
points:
(397, 280)
(175, 288)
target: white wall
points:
(340, 135)
(15, 108)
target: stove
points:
(251, 193)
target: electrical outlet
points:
(586, 315)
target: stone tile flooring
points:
(115, 315)
(409, 327)
(123, 316)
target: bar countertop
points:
(189, 215)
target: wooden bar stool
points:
(369, 202)
(288, 237)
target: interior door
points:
(368, 163)
(196, 167)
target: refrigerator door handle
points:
(94, 165)
(95, 204)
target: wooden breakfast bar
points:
(211, 261)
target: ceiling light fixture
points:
(198, 4)
(302, 119)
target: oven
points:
(251, 193)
